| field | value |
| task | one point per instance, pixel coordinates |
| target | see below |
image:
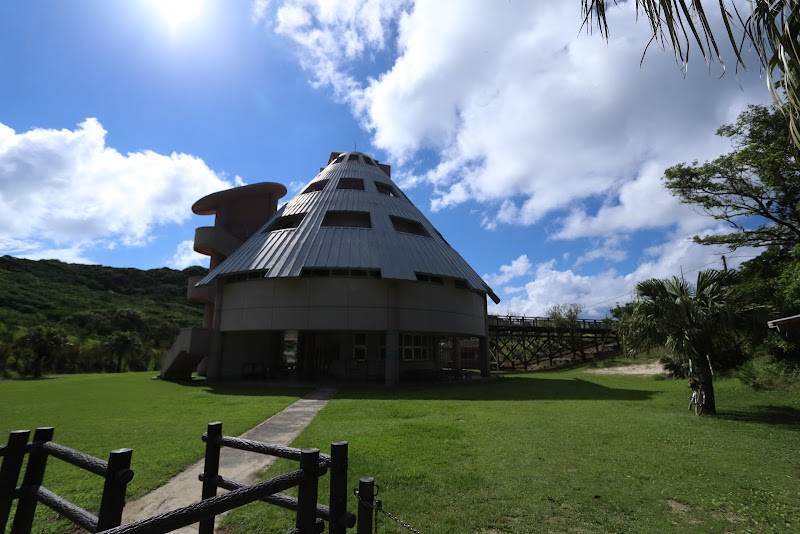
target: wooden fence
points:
(523, 343)
(310, 516)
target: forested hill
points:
(79, 298)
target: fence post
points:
(9, 472)
(34, 473)
(307, 492)
(211, 471)
(338, 490)
(118, 475)
(366, 496)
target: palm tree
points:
(122, 345)
(45, 342)
(691, 321)
(771, 29)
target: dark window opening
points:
(385, 189)
(286, 222)
(408, 226)
(461, 284)
(242, 277)
(352, 157)
(339, 159)
(351, 183)
(317, 272)
(319, 185)
(351, 219)
(369, 161)
(432, 278)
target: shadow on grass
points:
(247, 389)
(503, 389)
(782, 416)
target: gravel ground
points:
(641, 369)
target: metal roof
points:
(398, 254)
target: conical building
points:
(352, 270)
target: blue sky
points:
(535, 149)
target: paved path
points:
(280, 429)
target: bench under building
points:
(348, 280)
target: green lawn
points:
(161, 421)
(564, 452)
(561, 451)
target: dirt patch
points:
(642, 369)
(677, 507)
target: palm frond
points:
(772, 29)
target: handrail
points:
(279, 451)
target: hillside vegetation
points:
(76, 317)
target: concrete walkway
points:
(185, 488)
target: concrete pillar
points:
(214, 371)
(392, 369)
(485, 356)
(437, 354)
(485, 353)
(456, 365)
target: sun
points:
(178, 12)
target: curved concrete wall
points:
(351, 304)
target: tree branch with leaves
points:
(755, 188)
(771, 29)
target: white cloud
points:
(73, 254)
(62, 191)
(611, 249)
(535, 121)
(518, 267)
(258, 10)
(525, 113)
(185, 256)
(598, 292)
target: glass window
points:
(414, 347)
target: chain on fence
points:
(379, 507)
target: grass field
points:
(161, 421)
(565, 452)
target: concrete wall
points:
(250, 354)
(353, 304)
(345, 365)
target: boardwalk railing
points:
(310, 516)
(116, 472)
(523, 343)
(516, 321)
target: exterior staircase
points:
(182, 358)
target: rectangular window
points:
(350, 219)
(356, 184)
(414, 347)
(285, 223)
(385, 189)
(319, 185)
(408, 226)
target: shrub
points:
(767, 373)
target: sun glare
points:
(178, 12)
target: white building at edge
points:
(349, 267)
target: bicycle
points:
(698, 398)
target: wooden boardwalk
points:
(523, 343)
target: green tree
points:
(45, 342)
(565, 318)
(771, 30)
(755, 188)
(122, 345)
(693, 322)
